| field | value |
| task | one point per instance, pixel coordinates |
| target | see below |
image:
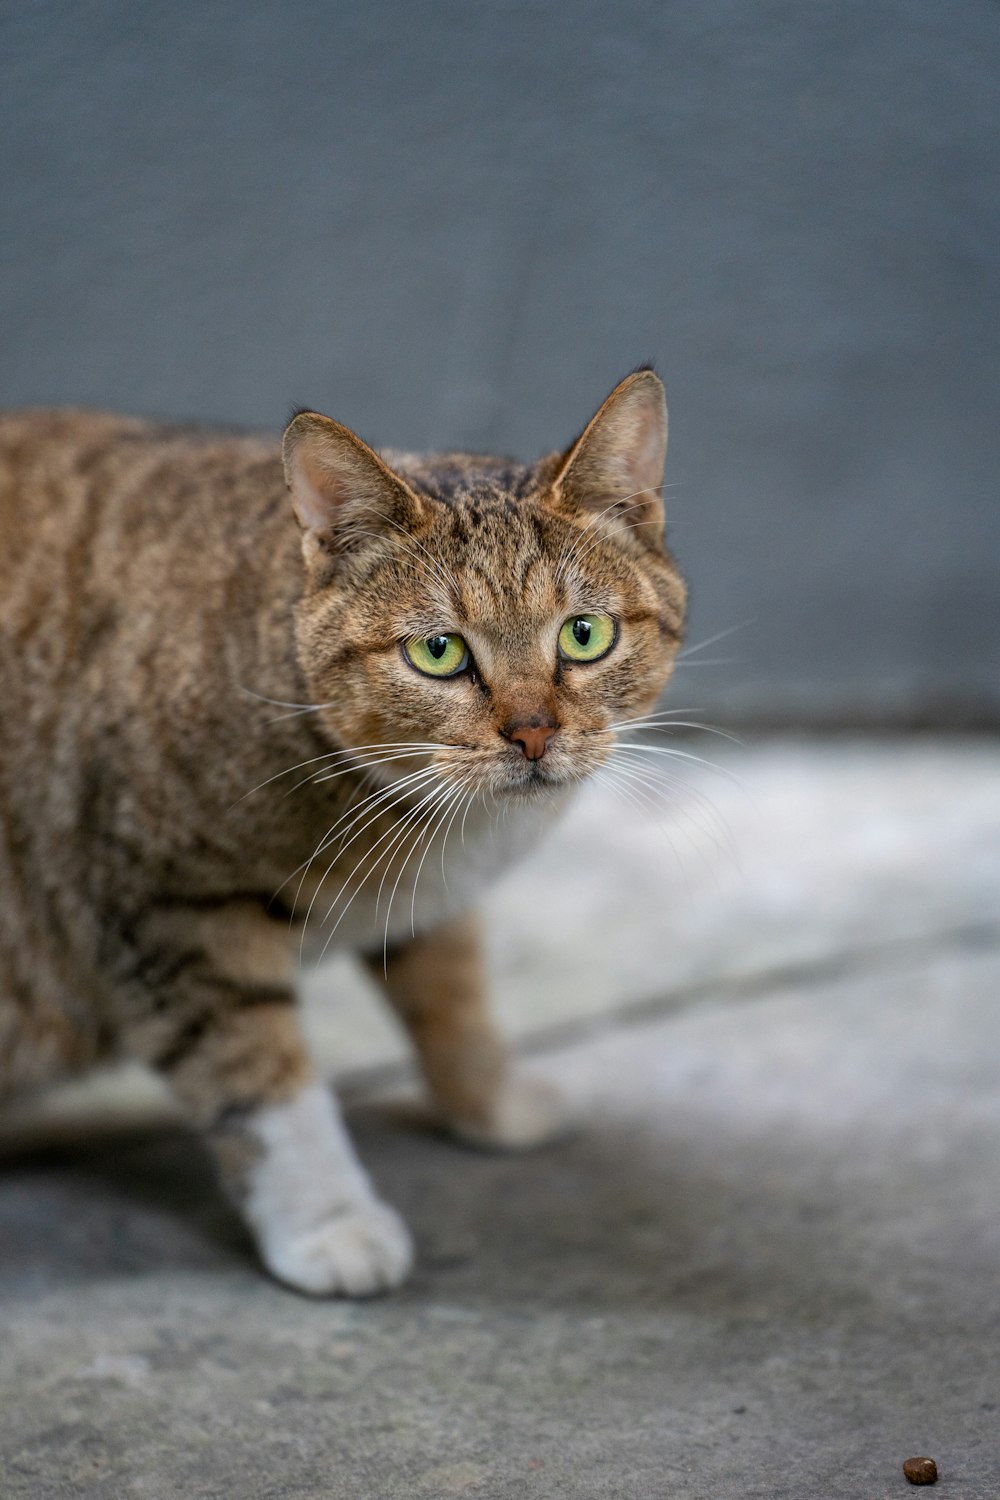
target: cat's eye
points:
(587, 637)
(437, 655)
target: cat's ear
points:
(616, 464)
(342, 493)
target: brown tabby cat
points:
(444, 636)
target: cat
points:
(244, 696)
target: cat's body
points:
(186, 660)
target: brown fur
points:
(155, 588)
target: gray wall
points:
(458, 224)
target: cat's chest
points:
(389, 894)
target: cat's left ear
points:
(343, 494)
(615, 467)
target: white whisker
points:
(465, 815)
(467, 797)
(667, 724)
(394, 834)
(451, 803)
(615, 779)
(714, 828)
(378, 803)
(706, 661)
(436, 569)
(445, 574)
(342, 754)
(673, 754)
(280, 702)
(419, 833)
(573, 555)
(371, 809)
(362, 769)
(711, 640)
(566, 556)
(577, 556)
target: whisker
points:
(375, 801)
(465, 816)
(375, 806)
(451, 804)
(577, 556)
(331, 755)
(328, 755)
(279, 702)
(715, 827)
(711, 640)
(390, 833)
(574, 554)
(669, 724)
(426, 803)
(683, 755)
(419, 833)
(467, 797)
(353, 811)
(664, 713)
(571, 546)
(298, 713)
(403, 748)
(362, 769)
(366, 855)
(444, 573)
(706, 661)
(436, 570)
(617, 782)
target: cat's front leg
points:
(215, 1013)
(317, 1221)
(437, 985)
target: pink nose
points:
(532, 738)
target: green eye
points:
(437, 655)
(586, 637)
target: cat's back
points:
(45, 457)
(122, 542)
(96, 504)
(64, 466)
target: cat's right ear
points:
(615, 467)
(343, 494)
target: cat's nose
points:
(532, 735)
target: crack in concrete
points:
(885, 957)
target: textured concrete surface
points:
(767, 1267)
(458, 224)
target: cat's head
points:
(483, 620)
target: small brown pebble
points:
(920, 1470)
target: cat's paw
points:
(529, 1112)
(363, 1250)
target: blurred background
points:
(458, 225)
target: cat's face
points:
(484, 622)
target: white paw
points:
(362, 1250)
(529, 1112)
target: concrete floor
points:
(767, 1266)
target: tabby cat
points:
(238, 725)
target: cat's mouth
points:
(535, 779)
(508, 774)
